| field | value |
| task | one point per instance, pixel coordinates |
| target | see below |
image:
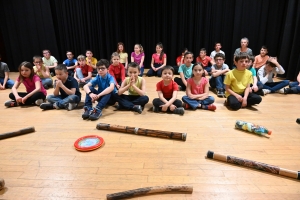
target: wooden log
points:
(254, 164)
(142, 131)
(17, 133)
(150, 190)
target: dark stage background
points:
(28, 27)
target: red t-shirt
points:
(84, 69)
(156, 59)
(197, 89)
(178, 59)
(118, 72)
(167, 90)
(204, 61)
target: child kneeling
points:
(197, 91)
(167, 90)
(66, 94)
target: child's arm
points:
(59, 84)
(298, 78)
(255, 61)
(75, 76)
(183, 78)
(142, 91)
(197, 96)
(45, 73)
(142, 61)
(260, 73)
(52, 66)
(107, 90)
(124, 87)
(15, 91)
(167, 103)
(231, 92)
(112, 73)
(164, 64)
(122, 73)
(152, 66)
(37, 89)
(132, 59)
(6, 76)
(246, 93)
(216, 73)
(126, 62)
(88, 77)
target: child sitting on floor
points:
(117, 69)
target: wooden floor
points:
(45, 165)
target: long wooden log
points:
(17, 133)
(254, 164)
(142, 131)
(150, 190)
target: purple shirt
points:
(30, 84)
(137, 58)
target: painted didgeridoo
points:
(17, 133)
(142, 131)
(150, 190)
(254, 164)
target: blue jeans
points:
(194, 103)
(151, 72)
(208, 69)
(217, 82)
(80, 75)
(47, 81)
(9, 83)
(63, 102)
(142, 71)
(102, 101)
(128, 101)
(295, 86)
(274, 86)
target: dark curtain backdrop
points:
(30, 26)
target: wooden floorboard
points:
(45, 165)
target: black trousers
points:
(31, 100)
(157, 103)
(236, 105)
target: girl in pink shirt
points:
(197, 91)
(35, 92)
(158, 61)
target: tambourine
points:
(88, 143)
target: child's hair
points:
(196, 64)
(270, 64)
(46, 50)
(251, 58)
(121, 43)
(114, 54)
(184, 50)
(219, 55)
(103, 62)
(241, 56)
(61, 67)
(218, 43)
(141, 47)
(244, 38)
(264, 47)
(37, 57)
(27, 65)
(162, 52)
(81, 57)
(167, 67)
(203, 49)
(88, 50)
(134, 65)
(69, 51)
(187, 53)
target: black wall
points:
(30, 26)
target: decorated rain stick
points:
(142, 131)
(17, 133)
(253, 128)
(150, 190)
(254, 164)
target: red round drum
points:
(88, 143)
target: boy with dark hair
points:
(104, 94)
(205, 60)
(218, 47)
(179, 60)
(49, 61)
(70, 62)
(262, 58)
(265, 74)
(237, 84)
(83, 72)
(218, 72)
(5, 82)
(185, 71)
(66, 94)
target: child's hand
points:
(2, 87)
(58, 83)
(244, 103)
(94, 97)
(239, 98)
(18, 99)
(24, 99)
(82, 80)
(164, 107)
(254, 88)
(118, 86)
(132, 81)
(172, 107)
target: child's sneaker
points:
(179, 88)
(281, 91)
(186, 106)
(86, 113)
(95, 114)
(71, 106)
(155, 109)
(10, 103)
(179, 111)
(39, 102)
(211, 107)
(46, 106)
(137, 108)
(266, 91)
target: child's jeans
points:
(63, 102)
(194, 103)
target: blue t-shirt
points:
(70, 63)
(70, 83)
(187, 71)
(252, 70)
(103, 82)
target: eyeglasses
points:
(38, 62)
(46, 53)
(101, 68)
(220, 59)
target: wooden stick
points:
(298, 121)
(2, 183)
(150, 190)
(141, 131)
(254, 164)
(17, 133)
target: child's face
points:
(167, 75)
(102, 70)
(198, 71)
(137, 49)
(25, 72)
(46, 54)
(89, 54)
(81, 62)
(70, 55)
(219, 61)
(37, 62)
(263, 52)
(242, 64)
(133, 72)
(202, 54)
(61, 75)
(244, 43)
(188, 59)
(218, 47)
(121, 48)
(115, 60)
(250, 63)
(268, 68)
(158, 49)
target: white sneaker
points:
(266, 91)
(281, 91)
(39, 102)
(71, 106)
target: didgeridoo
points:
(16, 133)
(298, 121)
(150, 190)
(254, 164)
(142, 131)
(2, 183)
